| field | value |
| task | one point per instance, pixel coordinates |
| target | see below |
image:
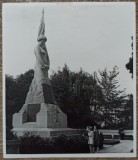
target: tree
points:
(16, 91)
(129, 110)
(23, 82)
(73, 92)
(129, 65)
(11, 92)
(126, 116)
(112, 98)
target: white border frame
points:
(99, 155)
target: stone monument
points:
(40, 114)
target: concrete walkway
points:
(125, 146)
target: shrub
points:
(31, 144)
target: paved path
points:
(125, 146)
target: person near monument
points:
(101, 140)
(121, 133)
(90, 139)
(96, 139)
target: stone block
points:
(48, 94)
(63, 120)
(50, 120)
(41, 120)
(17, 120)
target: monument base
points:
(45, 132)
(39, 116)
(45, 120)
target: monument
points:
(40, 115)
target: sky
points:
(91, 36)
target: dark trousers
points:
(95, 147)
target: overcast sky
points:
(87, 35)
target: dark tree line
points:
(16, 91)
(87, 99)
(73, 92)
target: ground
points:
(125, 146)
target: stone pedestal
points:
(45, 120)
(44, 115)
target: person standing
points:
(96, 139)
(91, 139)
(121, 133)
(101, 137)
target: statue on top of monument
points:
(40, 90)
(42, 58)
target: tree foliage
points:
(112, 97)
(73, 92)
(16, 91)
(30, 144)
(87, 99)
(129, 65)
(126, 116)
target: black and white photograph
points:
(69, 79)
